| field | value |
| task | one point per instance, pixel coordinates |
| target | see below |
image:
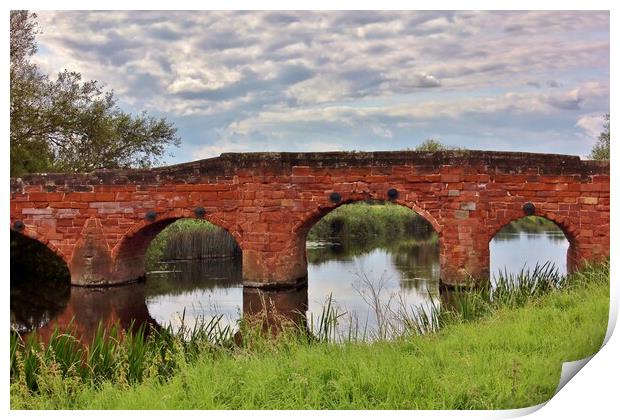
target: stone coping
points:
(227, 165)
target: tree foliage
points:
(70, 125)
(431, 145)
(600, 151)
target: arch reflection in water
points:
(196, 291)
(87, 307)
(191, 292)
(210, 288)
(34, 304)
(40, 284)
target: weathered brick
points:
(45, 196)
(468, 206)
(302, 179)
(451, 178)
(599, 186)
(37, 211)
(588, 200)
(105, 196)
(461, 214)
(301, 170)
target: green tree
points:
(600, 151)
(70, 125)
(431, 145)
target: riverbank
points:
(363, 221)
(509, 358)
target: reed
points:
(395, 319)
(191, 239)
(368, 220)
(113, 355)
(200, 244)
(510, 360)
(325, 326)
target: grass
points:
(503, 352)
(114, 355)
(363, 221)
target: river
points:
(364, 284)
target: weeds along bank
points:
(500, 353)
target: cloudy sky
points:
(299, 81)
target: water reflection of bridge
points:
(183, 276)
(87, 308)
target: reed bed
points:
(200, 244)
(191, 239)
(367, 220)
(396, 319)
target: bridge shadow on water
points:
(84, 310)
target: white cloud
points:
(382, 132)
(189, 79)
(592, 125)
(214, 150)
(266, 79)
(230, 146)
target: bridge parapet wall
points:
(99, 222)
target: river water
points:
(357, 280)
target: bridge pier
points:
(464, 255)
(277, 264)
(92, 266)
(91, 263)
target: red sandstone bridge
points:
(100, 223)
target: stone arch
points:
(128, 255)
(297, 249)
(563, 223)
(301, 229)
(35, 233)
(41, 278)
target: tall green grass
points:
(510, 359)
(471, 302)
(113, 355)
